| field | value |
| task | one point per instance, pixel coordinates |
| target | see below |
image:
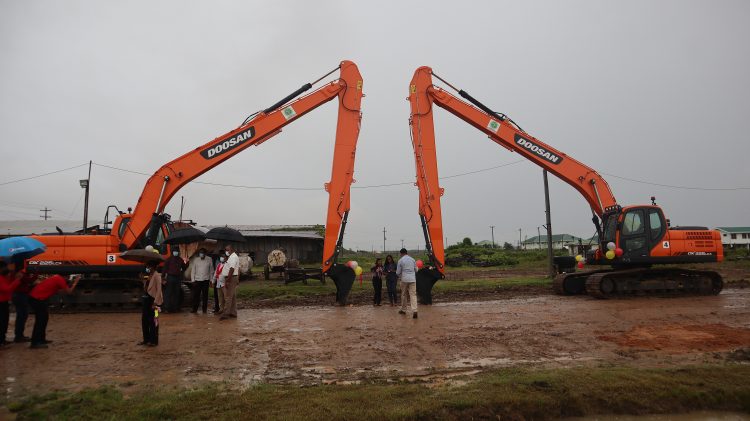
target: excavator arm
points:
(171, 177)
(423, 95)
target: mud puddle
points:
(450, 342)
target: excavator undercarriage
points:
(613, 283)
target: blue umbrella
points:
(20, 248)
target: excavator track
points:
(573, 283)
(112, 295)
(654, 282)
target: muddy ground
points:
(326, 344)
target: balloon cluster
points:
(612, 251)
(581, 261)
(355, 267)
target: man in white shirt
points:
(406, 269)
(231, 274)
(201, 270)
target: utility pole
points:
(402, 243)
(492, 228)
(550, 262)
(383, 239)
(519, 238)
(182, 206)
(46, 211)
(86, 184)
(538, 239)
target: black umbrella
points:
(185, 236)
(225, 234)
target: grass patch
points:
(276, 290)
(518, 393)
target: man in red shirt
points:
(38, 298)
(20, 298)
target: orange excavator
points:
(631, 238)
(111, 281)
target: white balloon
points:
(611, 246)
(149, 248)
(354, 264)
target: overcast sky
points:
(653, 91)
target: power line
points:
(374, 186)
(41, 175)
(678, 187)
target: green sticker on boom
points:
(289, 112)
(493, 125)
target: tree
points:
(507, 246)
(467, 241)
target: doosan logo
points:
(228, 144)
(538, 150)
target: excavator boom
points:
(635, 237)
(171, 177)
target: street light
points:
(85, 185)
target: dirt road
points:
(329, 344)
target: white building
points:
(734, 237)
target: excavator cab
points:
(636, 230)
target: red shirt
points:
(7, 286)
(48, 288)
(26, 281)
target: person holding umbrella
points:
(8, 283)
(39, 300)
(20, 299)
(15, 250)
(173, 269)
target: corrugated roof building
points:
(301, 242)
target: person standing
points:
(218, 284)
(8, 283)
(230, 272)
(152, 299)
(407, 270)
(377, 281)
(173, 270)
(200, 274)
(391, 278)
(20, 301)
(39, 300)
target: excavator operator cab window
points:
(123, 225)
(655, 223)
(633, 234)
(160, 242)
(610, 227)
(633, 223)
